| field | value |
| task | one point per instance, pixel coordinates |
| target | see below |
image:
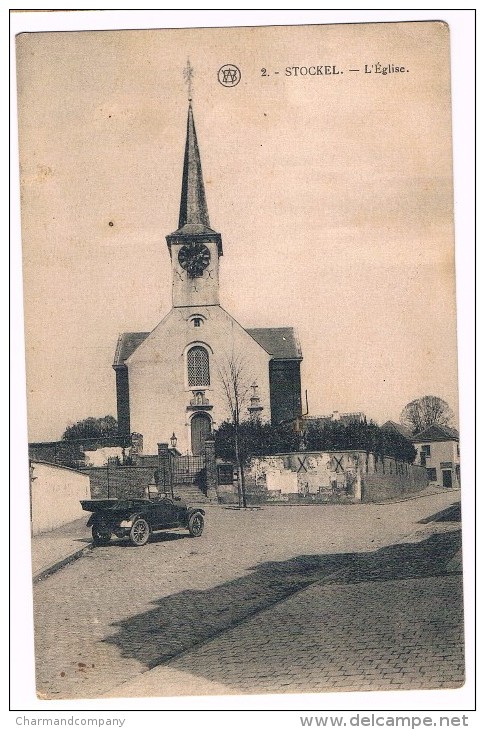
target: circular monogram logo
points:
(229, 75)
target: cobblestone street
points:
(227, 613)
(356, 638)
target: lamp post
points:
(173, 444)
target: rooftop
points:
(437, 433)
(127, 344)
(398, 428)
(280, 342)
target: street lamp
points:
(173, 440)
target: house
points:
(397, 428)
(173, 380)
(438, 450)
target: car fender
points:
(194, 511)
(98, 518)
(135, 516)
(112, 520)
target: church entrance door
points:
(200, 430)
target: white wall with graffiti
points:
(324, 474)
(338, 476)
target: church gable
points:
(210, 326)
(177, 372)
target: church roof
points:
(127, 344)
(280, 342)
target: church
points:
(176, 379)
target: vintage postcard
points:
(241, 353)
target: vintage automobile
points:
(138, 518)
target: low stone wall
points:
(227, 494)
(387, 478)
(55, 494)
(305, 477)
(328, 477)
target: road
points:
(119, 611)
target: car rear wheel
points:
(140, 532)
(101, 535)
(196, 525)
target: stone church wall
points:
(285, 385)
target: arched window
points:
(198, 367)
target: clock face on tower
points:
(194, 258)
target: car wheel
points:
(140, 532)
(101, 535)
(196, 525)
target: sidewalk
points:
(427, 492)
(52, 550)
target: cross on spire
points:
(188, 76)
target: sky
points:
(333, 195)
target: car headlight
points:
(126, 523)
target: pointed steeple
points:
(193, 204)
(194, 222)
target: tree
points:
(91, 428)
(236, 386)
(364, 436)
(264, 439)
(425, 412)
(256, 438)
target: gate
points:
(188, 472)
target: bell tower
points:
(194, 247)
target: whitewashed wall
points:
(309, 473)
(55, 496)
(100, 457)
(332, 476)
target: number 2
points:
(264, 72)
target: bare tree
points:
(426, 411)
(236, 385)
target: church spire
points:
(194, 226)
(193, 204)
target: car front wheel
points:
(101, 535)
(196, 525)
(140, 532)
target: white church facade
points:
(174, 378)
